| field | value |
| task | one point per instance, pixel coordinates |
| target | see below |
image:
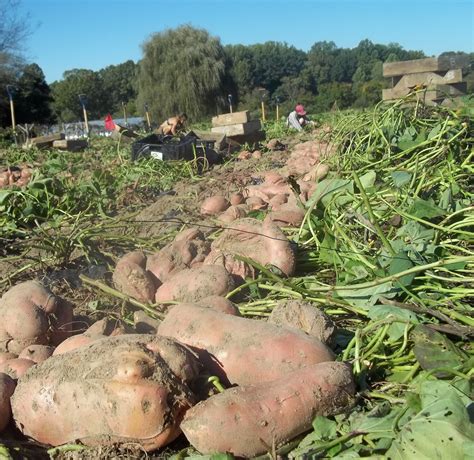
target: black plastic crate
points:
(164, 148)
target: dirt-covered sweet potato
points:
(16, 367)
(196, 283)
(233, 213)
(37, 353)
(287, 215)
(131, 277)
(30, 314)
(251, 420)
(263, 242)
(305, 317)
(236, 199)
(6, 356)
(7, 387)
(188, 248)
(106, 327)
(129, 388)
(241, 350)
(221, 304)
(214, 205)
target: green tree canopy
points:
(66, 95)
(183, 70)
(34, 97)
(120, 84)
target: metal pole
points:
(263, 111)
(229, 98)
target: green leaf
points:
(324, 428)
(327, 188)
(440, 430)
(401, 178)
(368, 179)
(433, 350)
(399, 263)
(397, 328)
(366, 297)
(425, 209)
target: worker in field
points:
(297, 119)
(173, 125)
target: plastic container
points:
(164, 148)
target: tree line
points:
(187, 69)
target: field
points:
(385, 248)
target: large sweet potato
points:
(263, 242)
(240, 350)
(252, 420)
(31, 314)
(188, 248)
(196, 283)
(130, 388)
(131, 277)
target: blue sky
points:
(92, 34)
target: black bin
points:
(164, 147)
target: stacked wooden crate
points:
(237, 126)
(439, 78)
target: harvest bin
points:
(171, 148)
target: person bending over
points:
(172, 125)
(297, 119)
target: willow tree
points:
(182, 70)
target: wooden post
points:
(10, 90)
(277, 112)
(124, 107)
(147, 114)
(82, 98)
(229, 98)
(263, 111)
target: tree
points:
(14, 29)
(34, 97)
(66, 95)
(273, 61)
(119, 82)
(183, 70)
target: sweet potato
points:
(188, 248)
(129, 388)
(233, 213)
(196, 283)
(287, 215)
(131, 277)
(251, 420)
(255, 203)
(7, 387)
(214, 205)
(75, 342)
(240, 350)
(144, 324)
(37, 353)
(16, 367)
(263, 242)
(236, 198)
(305, 317)
(31, 314)
(218, 303)
(319, 172)
(5, 356)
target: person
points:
(297, 119)
(172, 125)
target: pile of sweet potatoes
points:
(15, 175)
(111, 385)
(191, 268)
